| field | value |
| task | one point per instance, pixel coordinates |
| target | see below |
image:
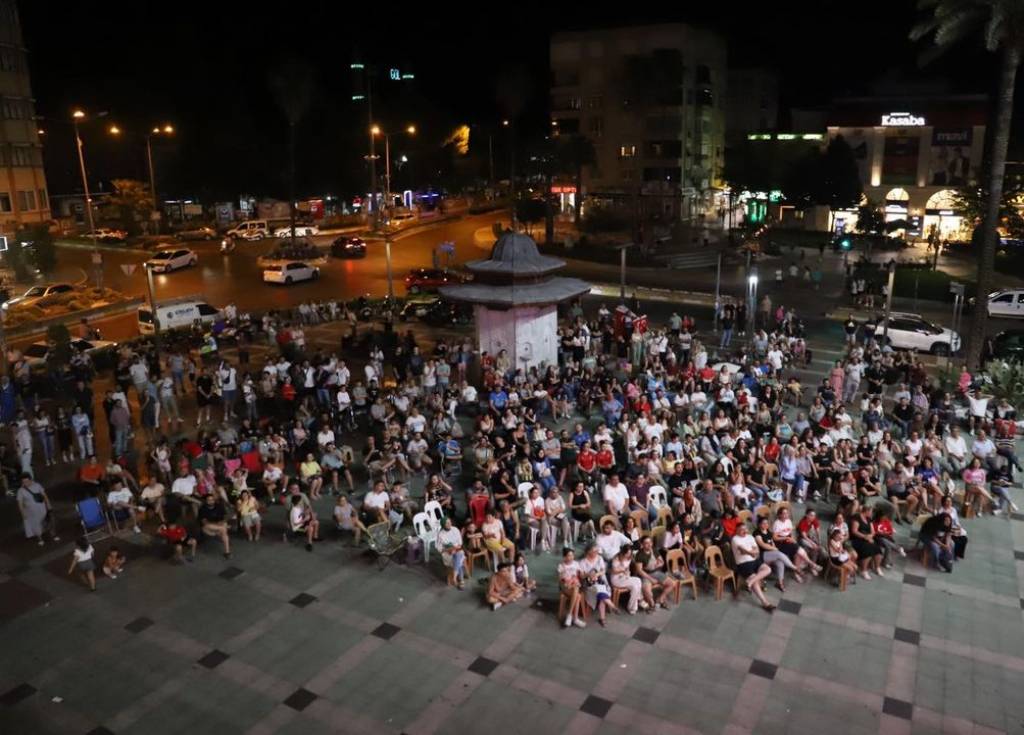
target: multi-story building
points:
(23, 194)
(652, 101)
(913, 152)
(752, 102)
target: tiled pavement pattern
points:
(280, 641)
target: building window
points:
(5, 202)
(596, 102)
(8, 59)
(596, 126)
(26, 201)
(627, 151)
(703, 74)
(574, 103)
(43, 202)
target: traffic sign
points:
(128, 268)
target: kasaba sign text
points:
(902, 119)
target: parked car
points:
(288, 273)
(1007, 345)
(1007, 302)
(416, 307)
(348, 247)
(300, 231)
(912, 332)
(430, 279)
(36, 293)
(197, 233)
(446, 313)
(165, 261)
(36, 353)
(253, 229)
(107, 234)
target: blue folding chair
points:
(95, 522)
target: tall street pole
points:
(622, 273)
(387, 258)
(888, 302)
(490, 161)
(387, 171)
(85, 179)
(152, 177)
(372, 211)
(152, 310)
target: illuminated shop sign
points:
(902, 120)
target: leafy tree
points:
(971, 203)
(530, 211)
(43, 251)
(748, 167)
(828, 178)
(870, 218)
(576, 152)
(129, 203)
(292, 87)
(14, 257)
(999, 26)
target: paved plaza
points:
(280, 641)
(277, 640)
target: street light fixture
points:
(76, 117)
(375, 131)
(752, 299)
(157, 130)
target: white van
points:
(176, 314)
(1007, 302)
(253, 229)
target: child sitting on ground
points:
(502, 589)
(114, 562)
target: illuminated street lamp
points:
(752, 299)
(158, 130)
(375, 131)
(76, 117)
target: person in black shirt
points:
(903, 415)
(212, 523)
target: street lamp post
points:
(752, 299)
(888, 301)
(75, 117)
(387, 259)
(375, 130)
(165, 130)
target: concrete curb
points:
(667, 295)
(99, 312)
(101, 247)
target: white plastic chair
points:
(523, 490)
(435, 514)
(426, 533)
(657, 497)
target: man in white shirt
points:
(324, 437)
(184, 489)
(416, 451)
(415, 423)
(956, 451)
(139, 372)
(616, 496)
(376, 504)
(775, 358)
(152, 496)
(120, 499)
(984, 449)
(610, 541)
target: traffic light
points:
(845, 243)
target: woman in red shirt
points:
(881, 524)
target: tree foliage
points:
(530, 211)
(870, 218)
(40, 247)
(971, 203)
(128, 204)
(828, 178)
(999, 26)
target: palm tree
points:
(292, 85)
(1000, 25)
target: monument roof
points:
(515, 254)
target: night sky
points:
(207, 72)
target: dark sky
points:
(207, 71)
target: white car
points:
(912, 332)
(35, 354)
(290, 273)
(300, 231)
(1008, 302)
(36, 293)
(165, 261)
